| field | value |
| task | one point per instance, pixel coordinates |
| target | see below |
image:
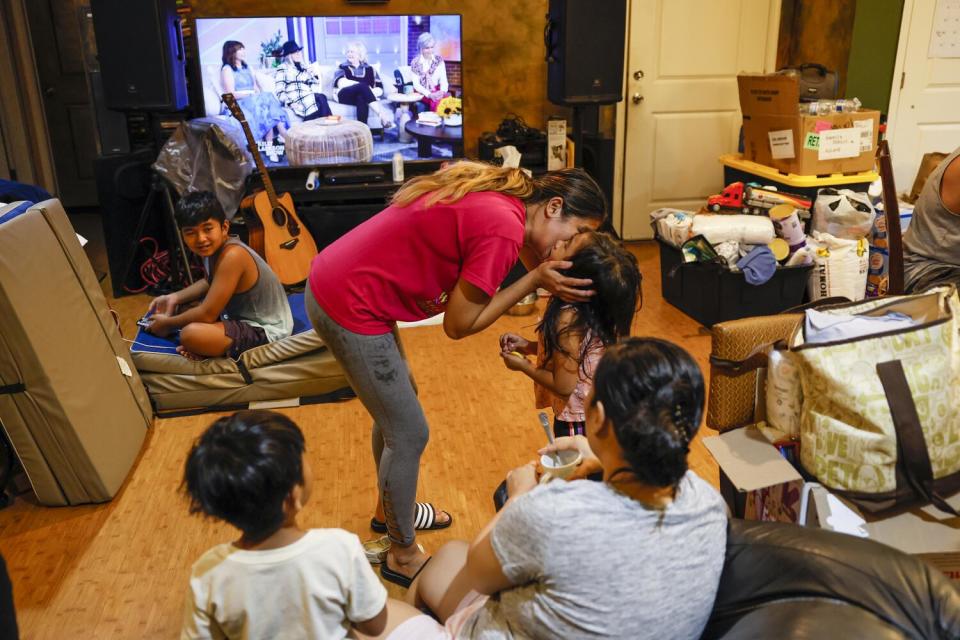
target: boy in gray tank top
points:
(931, 246)
(242, 303)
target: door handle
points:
(637, 98)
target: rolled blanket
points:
(733, 228)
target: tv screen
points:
(338, 89)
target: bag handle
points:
(816, 304)
(813, 65)
(756, 359)
(911, 446)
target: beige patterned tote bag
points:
(880, 418)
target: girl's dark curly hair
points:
(609, 313)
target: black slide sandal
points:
(395, 577)
(425, 519)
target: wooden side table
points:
(403, 102)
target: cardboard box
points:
(759, 484)
(776, 135)
(556, 144)
(927, 532)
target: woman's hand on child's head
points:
(514, 361)
(522, 479)
(566, 288)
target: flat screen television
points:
(287, 70)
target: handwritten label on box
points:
(811, 141)
(839, 143)
(865, 127)
(781, 144)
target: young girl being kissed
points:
(573, 335)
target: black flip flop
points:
(395, 577)
(425, 519)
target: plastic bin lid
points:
(736, 161)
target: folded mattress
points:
(296, 370)
(71, 402)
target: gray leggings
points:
(378, 373)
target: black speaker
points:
(598, 161)
(111, 125)
(141, 54)
(585, 51)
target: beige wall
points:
(24, 140)
(503, 54)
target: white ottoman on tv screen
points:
(322, 142)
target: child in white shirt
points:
(277, 580)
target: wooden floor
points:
(119, 570)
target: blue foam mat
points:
(149, 343)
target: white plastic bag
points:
(839, 267)
(843, 213)
(672, 225)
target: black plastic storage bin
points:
(709, 293)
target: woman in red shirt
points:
(444, 245)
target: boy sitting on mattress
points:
(242, 303)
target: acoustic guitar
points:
(276, 232)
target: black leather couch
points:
(787, 581)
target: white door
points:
(682, 109)
(925, 100)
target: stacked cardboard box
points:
(775, 134)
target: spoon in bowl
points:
(545, 423)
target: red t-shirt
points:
(403, 263)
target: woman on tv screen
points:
(296, 85)
(262, 110)
(429, 72)
(357, 83)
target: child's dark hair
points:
(197, 207)
(242, 469)
(608, 313)
(652, 393)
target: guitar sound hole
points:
(280, 217)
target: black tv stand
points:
(356, 175)
(345, 194)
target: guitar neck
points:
(257, 158)
(264, 174)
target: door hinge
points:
(903, 77)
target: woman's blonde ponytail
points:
(456, 180)
(582, 196)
